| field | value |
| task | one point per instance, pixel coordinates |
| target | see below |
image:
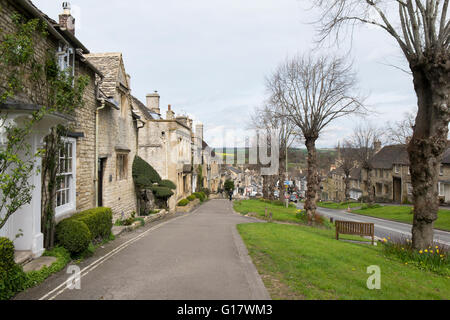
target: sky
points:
(209, 58)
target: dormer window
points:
(66, 59)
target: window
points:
(66, 192)
(441, 187)
(441, 170)
(396, 169)
(410, 188)
(122, 166)
(409, 171)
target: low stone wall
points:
(148, 219)
(191, 206)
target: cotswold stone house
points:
(166, 144)
(391, 176)
(75, 192)
(117, 129)
(333, 185)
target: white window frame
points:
(72, 204)
(396, 168)
(441, 187)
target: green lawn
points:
(279, 213)
(299, 262)
(403, 214)
(338, 206)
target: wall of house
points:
(85, 122)
(118, 135)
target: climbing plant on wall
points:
(30, 77)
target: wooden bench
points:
(355, 228)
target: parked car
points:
(276, 194)
(293, 198)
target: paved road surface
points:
(383, 228)
(197, 256)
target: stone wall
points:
(118, 135)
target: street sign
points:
(287, 183)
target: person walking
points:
(231, 195)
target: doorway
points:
(101, 174)
(397, 190)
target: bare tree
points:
(422, 30)
(312, 93)
(348, 159)
(267, 118)
(364, 141)
(401, 132)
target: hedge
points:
(98, 220)
(183, 203)
(191, 198)
(74, 235)
(144, 175)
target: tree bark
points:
(370, 191)
(313, 179)
(282, 172)
(347, 187)
(429, 142)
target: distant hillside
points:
(297, 157)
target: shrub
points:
(6, 254)
(183, 203)
(200, 195)
(12, 277)
(144, 175)
(12, 281)
(73, 235)
(167, 184)
(191, 197)
(98, 220)
(206, 191)
(162, 192)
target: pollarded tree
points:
(422, 31)
(312, 93)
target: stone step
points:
(22, 257)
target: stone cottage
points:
(117, 129)
(166, 144)
(75, 192)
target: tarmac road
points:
(196, 256)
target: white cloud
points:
(209, 58)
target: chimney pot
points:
(66, 20)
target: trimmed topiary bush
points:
(162, 192)
(167, 184)
(74, 235)
(183, 203)
(144, 175)
(98, 220)
(191, 198)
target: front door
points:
(397, 190)
(101, 174)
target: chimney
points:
(199, 131)
(377, 146)
(189, 123)
(66, 21)
(170, 115)
(153, 102)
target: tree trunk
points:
(370, 191)
(313, 179)
(282, 172)
(266, 188)
(429, 142)
(347, 187)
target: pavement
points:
(194, 256)
(383, 228)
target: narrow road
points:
(196, 256)
(383, 228)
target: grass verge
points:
(298, 262)
(339, 206)
(404, 214)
